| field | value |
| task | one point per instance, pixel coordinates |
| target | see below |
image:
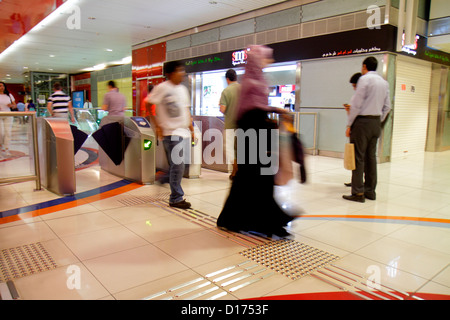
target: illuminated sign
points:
(351, 52)
(147, 144)
(287, 88)
(239, 57)
(410, 49)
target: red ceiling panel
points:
(19, 17)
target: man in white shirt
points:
(369, 108)
(173, 124)
(87, 104)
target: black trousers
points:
(364, 135)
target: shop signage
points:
(287, 88)
(440, 57)
(348, 43)
(239, 57)
(420, 50)
(204, 60)
(350, 52)
(410, 49)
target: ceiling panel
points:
(105, 24)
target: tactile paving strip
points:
(24, 261)
(289, 257)
(217, 284)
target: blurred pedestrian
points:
(59, 104)
(30, 106)
(87, 104)
(114, 102)
(149, 109)
(369, 108)
(21, 108)
(173, 124)
(250, 206)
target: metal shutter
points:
(411, 106)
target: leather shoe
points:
(348, 184)
(355, 197)
(181, 205)
(370, 196)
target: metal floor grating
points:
(24, 261)
(289, 257)
(136, 200)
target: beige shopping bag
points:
(349, 156)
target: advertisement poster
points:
(78, 99)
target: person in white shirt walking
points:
(369, 108)
(173, 124)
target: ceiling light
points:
(127, 60)
(109, 50)
(52, 56)
(100, 66)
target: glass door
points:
(42, 89)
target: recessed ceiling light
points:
(25, 67)
(52, 56)
(109, 50)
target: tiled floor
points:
(114, 249)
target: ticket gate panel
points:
(56, 156)
(111, 141)
(79, 137)
(140, 153)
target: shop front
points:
(206, 85)
(311, 76)
(294, 84)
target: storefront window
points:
(209, 86)
(281, 79)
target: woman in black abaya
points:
(250, 206)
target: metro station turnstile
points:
(140, 153)
(56, 155)
(127, 148)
